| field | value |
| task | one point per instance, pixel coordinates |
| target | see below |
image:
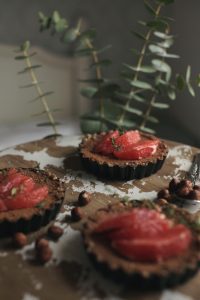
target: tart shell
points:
(31, 219)
(115, 169)
(146, 275)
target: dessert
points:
(29, 199)
(143, 243)
(122, 156)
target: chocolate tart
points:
(113, 168)
(157, 275)
(31, 219)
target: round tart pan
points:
(115, 169)
(159, 275)
(31, 219)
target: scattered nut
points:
(41, 243)
(183, 192)
(194, 195)
(196, 187)
(55, 232)
(76, 214)
(185, 183)
(164, 194)
(20, 240)
(173, 185)
(44, 254)
(84, 198)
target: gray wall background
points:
(113, 20)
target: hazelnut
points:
(44, 254)
(196, 187)
(185, 183)
(164, 193)
(20, 239)
(76, 214)
(183, 191)
(84, 198)
(41, 243)
(173, 185)
(194, 195)
(55, 232)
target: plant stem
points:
(148, 111)
(139, 63)
(95, 59)
(40, 92)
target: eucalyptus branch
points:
(96, 60)
(34, 82)
(77, 35)
(140, 61)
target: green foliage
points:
(25, 55)
(147, 83)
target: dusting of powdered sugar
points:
(180, 153)
(28, 296)
(87, 181)
(171, 295)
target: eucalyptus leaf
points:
(88, 91)
(158, 24)
(171, 93)
(142, 23)
(162, 66)
(144, 69)
(90, 34)
(27, 69)
(198, 80)
(91, 125)
(166, 44)
(42, 96)
(46, 124)
(139, 35)
(129, 109)
(162, 35)
(188, 74)
(168, 55)
(102, 63)
(131, 96)
(61, 26)
(31, 84)
(141, 84)
(45, 22)
(180, 82)
(152, 119)
(157, 50)
(148, 130)
(70, 35)
(190, 89)
(149, 7)
(22, 57)
(56, 16)
(106, 90)
(160, 105)
(25, 46)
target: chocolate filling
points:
(30, 219)
(164, 273)
(113, 168)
